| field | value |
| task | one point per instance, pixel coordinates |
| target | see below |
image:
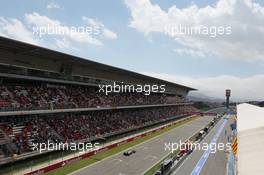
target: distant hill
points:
(196, 96)
(261, 104)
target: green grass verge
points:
(157, 166)
(100, 156)
(19, 166)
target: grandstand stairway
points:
(3, 137)
(6, 147)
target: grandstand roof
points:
(250, 128)
(17, 53)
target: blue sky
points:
(144, 48)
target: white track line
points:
(127, 149)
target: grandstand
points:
(46, 96)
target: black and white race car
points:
(129, 152)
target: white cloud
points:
(11, 27)
(247, 88)
(55, 34)
(53, 5)
(60, 30)
(243, 16)
(62, 43)
(107, 33)
(191, 52)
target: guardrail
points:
(178, 156)
(36, 153)
(55, 110)
(94, 152)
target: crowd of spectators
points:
(99, 123)
(57, 96)
(22, 132)
(89, 126)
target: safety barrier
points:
(89, 154)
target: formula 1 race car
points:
(129, 152)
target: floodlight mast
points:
(228, 94)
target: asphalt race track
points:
(213, 163)
(147, 154)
